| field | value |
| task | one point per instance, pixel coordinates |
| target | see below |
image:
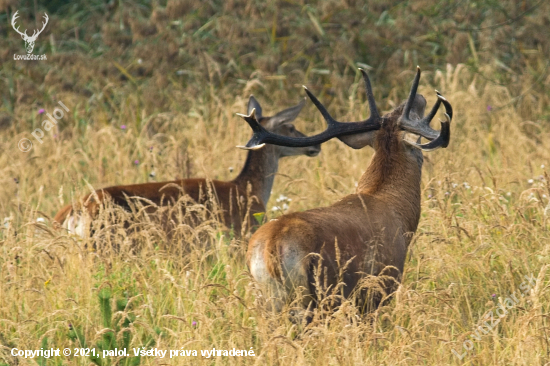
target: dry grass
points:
(475, 240)
(484, 225)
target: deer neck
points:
(259, 171)
(394, 176)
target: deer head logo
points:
(29, 40)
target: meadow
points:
(153, 90)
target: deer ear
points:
(359, 140)
(288, 115)
(253, 104)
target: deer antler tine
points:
(448, 106)
(370, 95)
(426, 120)
(441, 141)
(251, 120)
(252, 114)
(412, 93)
(256, 147)
(259, 131)
(330, 121)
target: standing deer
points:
(239, 199)
(366, 233)
(29, 40)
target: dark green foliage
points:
(40, 360)
(119, 336)
(200, 47)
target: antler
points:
(35, 34)
(334, 128)
(13, 19)
(422, 126)
(374, 122)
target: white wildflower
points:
(282, 198)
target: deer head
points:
(29, 40)
(281, 124)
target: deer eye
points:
(291, 128)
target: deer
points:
(29, 40)
(364, 235)
(239, 199)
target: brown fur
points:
(372, 228)
(231, 198)
(238, 199)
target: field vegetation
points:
(153, 88)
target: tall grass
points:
(485, 209)
(484, 227)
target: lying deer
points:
(366, 233)
(238, 199)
